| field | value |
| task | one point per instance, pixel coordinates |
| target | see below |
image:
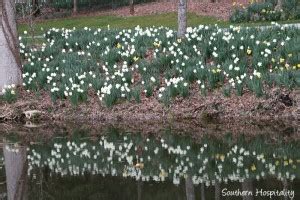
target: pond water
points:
(118, 164)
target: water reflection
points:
(122, 165)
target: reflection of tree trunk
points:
(202, 191)
(16, 173)
(189, 188)
(247, 185)
(217, 191)
(139, 188)
(285, 187)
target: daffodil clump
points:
(8, 93)
(125, 65)
(167, 158)
(265, 11)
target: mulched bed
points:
(220, 9)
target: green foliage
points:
(123, 64)
(8, 94)
(267, 11)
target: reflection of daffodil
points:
(139, 165)
(290, 55)
(253, 168)
(163, 174)
(222, 157)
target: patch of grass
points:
(168, 20)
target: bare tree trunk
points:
(75, 7)
(35, 8)
(285, 187)
(131, 5)
(189, 189)
(16, 173)
(182, 20)
(10, 63)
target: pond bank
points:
(279, 107)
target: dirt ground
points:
(214, 107)
(220, 9)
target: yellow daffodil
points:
(135, 58)
(285, 163)
(249, 51)
(287, 66)
(222, 157)
(277, 162)
(119, 45)
(282, 60)
(298, 65)
(290, 55)
(156, 44)
(179, 40)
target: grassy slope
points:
(168, 19)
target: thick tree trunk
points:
(16, 173)
(131, 5)
(75, 7)
(182, 20)
(10, 63)
(189, 189)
